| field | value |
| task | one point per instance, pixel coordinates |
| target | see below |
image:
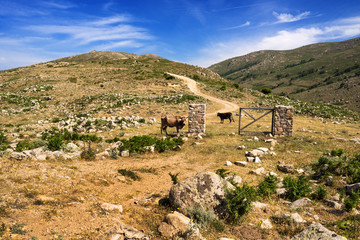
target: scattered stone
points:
(352, 188)
(42, 199)
(263, 149)
(280, 191)
(242, 147)
(256, 139)
(19, 156)
(123, 232)
(112, 207)
(234, 178)
(254, 153)
(232, 134)
(317, 231)
(185, 139)
(125, 153)
(258, 171)
(333, 204)
(302, 202)
(336, 197)
(260, 206)
(198, 136)
(297, 218)
(316, 217)
(286, 168)
(228, 163)
(197, 143)
(334, 211)
(329, 181)
(240, 163)
(174, 225)
(71, 148)
(272, 153)
(225, 239)
(250, 159)
(299, 170)
(257, 160)
(266, 224)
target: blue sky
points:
(198, 32)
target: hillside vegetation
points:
(321, 73)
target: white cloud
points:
(122, 44)
(111, 20)
(58, 4)
(287, 17)
(240, 26)
(282, 40)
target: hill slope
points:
(308, 73)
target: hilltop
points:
(321, 73)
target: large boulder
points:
(317, 231)
(205, 189)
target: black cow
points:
(227, 115)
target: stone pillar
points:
(283, 120)
(197, 118)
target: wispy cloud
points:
(287, 17)
(282, 40)
(58, 4)
(100, 30)
(239, 26)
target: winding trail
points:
(227, 106)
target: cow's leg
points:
(165, 129)
(222, 120)
(177, 130)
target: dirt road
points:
(227, 106)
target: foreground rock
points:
(177, 225)
(318, 231)
(352, 188)
(122, 232)
(302, 202)
(205, 189)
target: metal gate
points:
(269, 110)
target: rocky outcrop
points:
(123, 232)
(318, 231)
(205, 189)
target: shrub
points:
(320, 193)
(352, 201)
(168, 77)
(55, 143)
(266, 91)
(174, 178)
(89, 154)
(296, 188)
(337, 152)
(200, 216)
(129, 173)
(239, 201)
(138, 144)
(267, 187)
(3, 141)
(223, 173)
(17, 228)
(22, 145)
(223, 88)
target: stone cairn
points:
(197, 118)
(283, 120)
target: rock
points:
(280, 191)
(185, 139)
(198, 136)
(333, 204)
(317, 231)
(123, 232)
(263, 149)
(71, 147)
(42, 199)
(125, 153)
(254, 153)
(256, 139)
(257, 160)
(205, 189)
(197, 143)
(228, 163)
(175, 224)
(286, 168)
(299, 170)
(302, 202)
(19, 156)
(225, 239)
(260, 206)
(329, 181)
(240, 163)
(250, 159)
(112, 207)
(266, 224)
(242, 147)
(297, 218)
(258, 171)
(336, 197)
(352, 188)
(235, 179)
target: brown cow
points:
(172, 121)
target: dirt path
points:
(227, 106)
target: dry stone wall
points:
(197, 118)
(283, 120)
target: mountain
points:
(322, 72)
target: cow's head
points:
(218, 114)
(182, 121)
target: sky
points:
(197, 32)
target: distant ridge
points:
(322, 72)
(104, 56)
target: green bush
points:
(352, 201)
(89, 154)
(17, 228)
(296, 188)
(129, 173)
(239, 201)
(138, 144)
(320, 193)
(55, 143)
(200, 216)
(174, 178)
(223, 88)
(266, 91)
(267, 187)
(22, 145)
(223, 173)
(3, 141)
(337, 152)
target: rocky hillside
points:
(322, 73)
